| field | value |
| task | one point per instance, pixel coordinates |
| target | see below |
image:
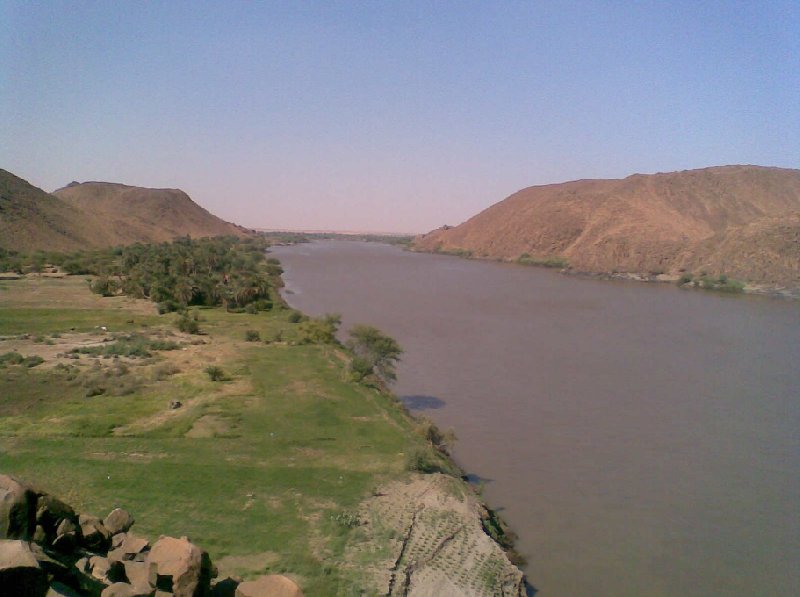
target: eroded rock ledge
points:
(49, 550)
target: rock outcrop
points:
(49, 550)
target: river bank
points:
(782, 292)
(278, 460)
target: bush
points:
(295, 317)
(103, 286)
(189, 324)
(216, 373)
(252, 336)
(12, 358)
(251, 309)
(360, 368)
(378, 353)
(320, 330)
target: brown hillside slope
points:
(738, 220)
(122, 214)
(33, 219)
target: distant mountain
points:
(123, 214)
(99, 214)
(743, 221)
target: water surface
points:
(640, 439)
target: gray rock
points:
(17, 509)
(182, 567)
(20, 572)
(118, 521)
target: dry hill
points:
(743, 221)
(32, 219)
(122, 214)
(99, 214)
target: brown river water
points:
(640, 439)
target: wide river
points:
(641, 439)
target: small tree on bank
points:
(374, 352)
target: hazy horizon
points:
(390, 117)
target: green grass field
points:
(255, 469)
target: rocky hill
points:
(123, 214)
(99, 214)
(742, 221)
(32, 219)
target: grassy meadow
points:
(262, 469)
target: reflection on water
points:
(642, 440)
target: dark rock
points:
(95, 536)
(58, 589)
(51, 512)
(66, 526)
(175, 404)
(17, 509)
(20, 572)
(225, 587)
(105, 570)
(118, 521)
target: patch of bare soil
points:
(424, 537)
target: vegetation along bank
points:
(171, 381)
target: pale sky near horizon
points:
(390, 116)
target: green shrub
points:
(320, 330)
(378, 353)
(33, 361)
(252, 336)
(216, 373)
(188, 324)
(11, 358)
(295, 317)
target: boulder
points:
(17, 509)
(51, 513)
(95, 536)
(20, 573)
(141, 574)
(121, 589)
(118, 521)
(182, 568)
(105, 570)
(272, 585)
(129, 548)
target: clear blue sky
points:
(395, 116)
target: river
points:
(642, 440)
